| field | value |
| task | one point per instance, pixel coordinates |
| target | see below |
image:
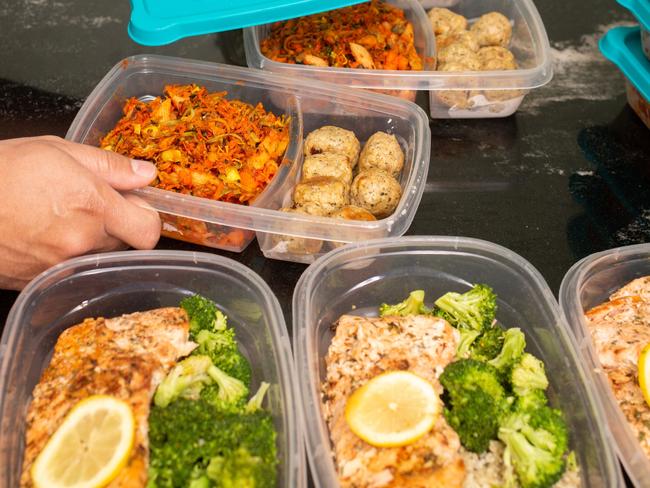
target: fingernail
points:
(143, 168)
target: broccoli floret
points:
(186, 435)
(203, 314)
(489, 344)
(255, 403)
(238, 469)
(232, 393)
(187, 378)
(536, 442)
(222, 348)
(413, 305)
(196, 377)
(474, 402)
(201, 482)
(528, 375)
(514, 343)
(467, 338)
(475, 309)
(530, 401)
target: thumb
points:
(118, 171)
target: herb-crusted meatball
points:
(377, 191)
(496, 58)
(493, 29)
(352, 212)
(327, 164)
(444, 21)
(465, 38)
(382, 151)
(330, 139)
(293, 244)
(458, 53)
(320, 195)
(457, 99)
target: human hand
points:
(61, 199)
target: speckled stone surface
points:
(566, 176)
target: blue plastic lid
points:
(640, 9)
(156, 22)
(622, 46)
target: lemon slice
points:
(644, 373)
(89, 448)
(393, 409)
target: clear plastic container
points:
(117, 283)
(639, 104)
(587, 284)
(358, 278)
(474, 97)
(505, 89)
(395, 82)
(311, 105)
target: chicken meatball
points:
(457, 99)
(465, 38)
(444, 21)
(330, 139)
(384, 152)
(320, 195)
(294, 244)
(377, 191)
(496, 58)
(327, 164)
(458, 53)
(493, 29)
(352, 212)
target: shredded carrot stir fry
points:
(373, 35)
(202, 143)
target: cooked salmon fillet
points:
(361, 349)
(620, 329)
(126, 357)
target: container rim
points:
(269, 220)
(303, 357)
(277, 325)
(529, 78)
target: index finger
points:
(131, 220)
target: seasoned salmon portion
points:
(126, 357)
(363, 348)
(620, 329)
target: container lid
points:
(156, 22)
(640, 9)
(622, 46)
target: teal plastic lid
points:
(640, 9)
(157, 22)
(622, 46)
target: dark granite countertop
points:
(566, 176)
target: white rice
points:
(486, 470)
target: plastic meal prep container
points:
(622, 46)
(395, 82)
(505, 89)
(311, 105)
(359, 277)
(587, 284)
(116, 283)
(498, 93)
